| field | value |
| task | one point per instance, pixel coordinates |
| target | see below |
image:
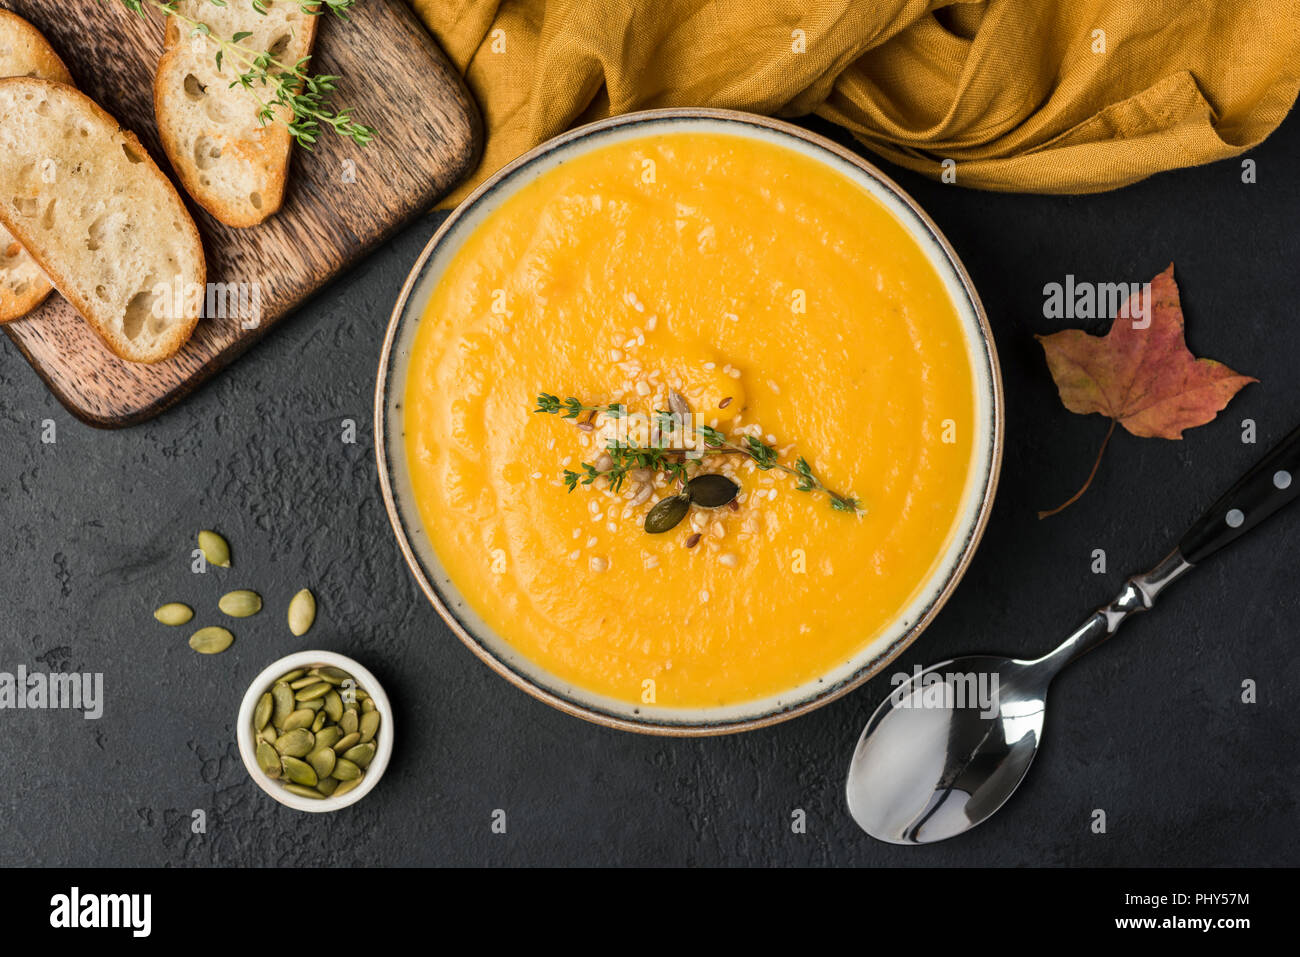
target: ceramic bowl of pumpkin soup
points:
(689, 421)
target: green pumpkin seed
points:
(174, 613)
(296, 743)
(361, 755)
(712, 490)
(299, 719)
(262, 713)
(345, 742)
(216, 551)
(327, 786)
(350, 722)
(291, 676)
(346, 786)
(302, 612)
(323, 760)
(269, 734)
(240, 604)
(283, 699)
(300, 772)
(369, 725)
(667, 514)
(306, 681)
(367, 706)
(319, 690)
(321, 718)
(345, 770)
(268, 760)
(211, 641)
(316, 704)
(335, 676)
(328, 737)
(333, 706)
(303, 791)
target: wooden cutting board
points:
(342, 199)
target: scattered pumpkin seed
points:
(262, 713)
(174, 613)
(296, 743)
(302, 612)
(299, 719)
(268, 760)
(216, 550)
(303, 791)
(240, 604)
(299, 772)
(211, 640)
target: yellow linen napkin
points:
(1053, 96)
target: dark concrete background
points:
(96, 529)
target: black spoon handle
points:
(1274, 482)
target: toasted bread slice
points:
(99, 217)
(23, 52)
(233, 165)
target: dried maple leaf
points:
(1140, 374)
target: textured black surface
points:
(95, 531)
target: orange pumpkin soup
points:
(783, 302)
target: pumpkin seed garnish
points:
(211, 640)
(174, 613)
(302, 612)
(667, 514)
(216, 551)
(240, 604)
(711, 490)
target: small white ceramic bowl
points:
(365, 680)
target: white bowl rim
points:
(367, 682)
(577, 701)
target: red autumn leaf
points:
(1140, 374)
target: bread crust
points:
(47, 253)
(30, 54)
(271, 150)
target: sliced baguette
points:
(23, 52)
(234, 166)
(99, 217)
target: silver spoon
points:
(949, 746)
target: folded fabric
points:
(1075, 96)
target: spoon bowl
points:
(947, 748)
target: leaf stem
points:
(1091, 475)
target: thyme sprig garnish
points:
(273, 83)
(627, 455)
